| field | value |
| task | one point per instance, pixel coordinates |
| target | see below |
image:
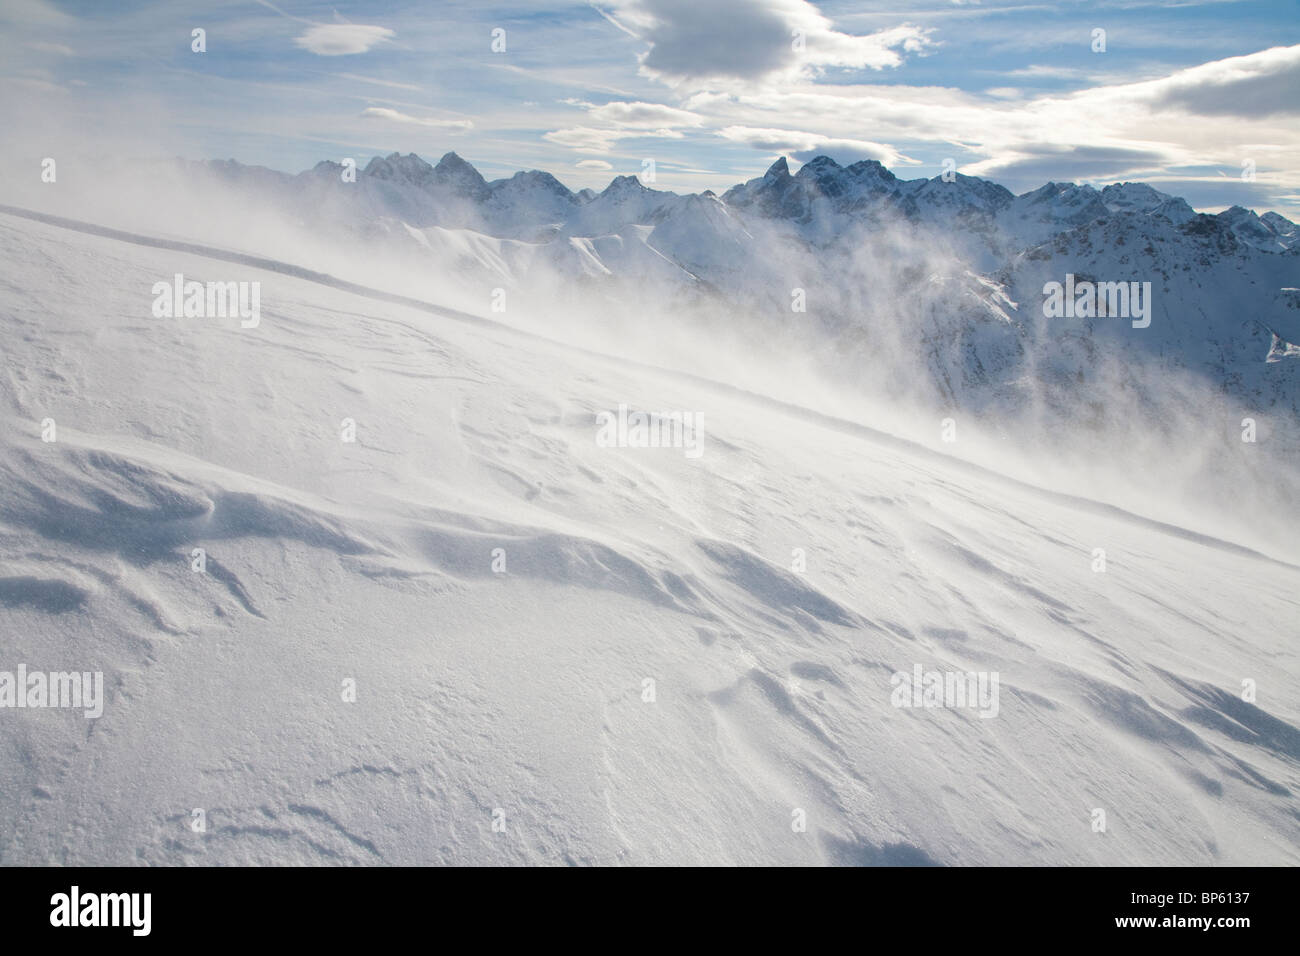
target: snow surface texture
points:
(521, 693)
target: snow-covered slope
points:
(499, 587)
(624, 202)
(1269, 232)
(927, 291)
(1141, 198)
(1214, 304)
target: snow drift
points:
(366, 589)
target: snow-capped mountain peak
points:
(459, 176)
(778, 170)
(1142, 198)
(396, 168)
(1270, 233)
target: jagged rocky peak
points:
(451, 173)
(1046, 192)
(454, 172)
(1142, 198)
(1067, 201)
(815, 197)
(778, 194)
(1130, 194)
(778, 170)
(1280, 224)
(396, 168)
(871, 169)
(533, 179)
(819, 166)
(452, 165)
(623, 184)
(1269, 232)
(826, 177)
(822, 173)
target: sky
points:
(1197, 98)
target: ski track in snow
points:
(523, 691)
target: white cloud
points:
(704, 44)
(382, 112)
(1261, 84)
(804, 146)
(584, 139)
(623, 120)
(597, 164)
(1039, 164)
(1119, 130)
(642, 115)
(377, 82)
(1035, 70)
(342, 39)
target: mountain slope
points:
(523, 690)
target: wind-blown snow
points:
(523, 690)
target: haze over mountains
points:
(944, 278)
(453, 194)
(927, 294)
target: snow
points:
(1139, 197)
(523, 691)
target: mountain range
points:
(452, 193)
(930, 290)
(945, 276)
